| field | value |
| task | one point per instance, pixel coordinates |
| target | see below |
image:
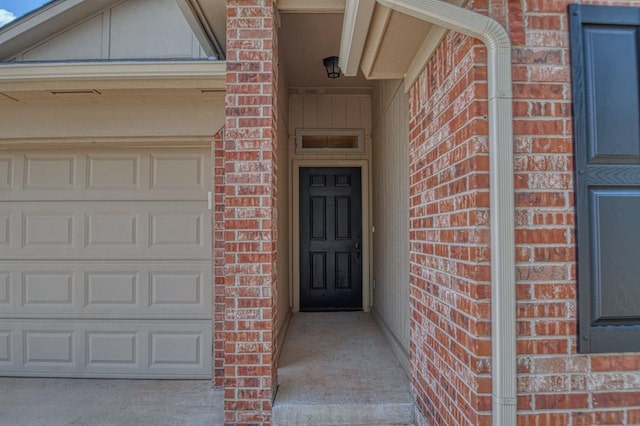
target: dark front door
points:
(330, 239)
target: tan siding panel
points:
(84, 41)
(330, 112)
(338, 112)
(140, 29)
(391, 208)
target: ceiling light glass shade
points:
(331, 64)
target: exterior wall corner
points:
(250, 212)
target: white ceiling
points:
(305, 39)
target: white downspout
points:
(503, 306)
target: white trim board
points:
(204, 75)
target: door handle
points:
(358, 251)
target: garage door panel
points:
(109, 348)
(117, 348)
(105, 230)
(112, 228)
(178, 171)
(6, 350)
(104, 195)
(49, 347)
(49, 228)
(105, 263)
(5, 289)
(41, 289)
(110, 289)
(116, 172)
(105, 175)
(168, 348)
(168, 289)
(5, 229)
(6, 172)
(176, 229)
(105, 289)
(51, 171)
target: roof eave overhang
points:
(208, 21)
(357, 33)
(355, 26)
(203, 75)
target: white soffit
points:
(393, 40)
(45, 22)
(396, 45)
(426, 49)
(306, 38)
(208, 20)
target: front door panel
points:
(330, 239)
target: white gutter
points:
(503, 306)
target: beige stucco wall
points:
(390, 171)
(112, 114)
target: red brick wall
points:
(250, 216)
(450, 346)
(555, 384)
(218, 258)
(450, 326)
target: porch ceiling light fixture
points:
(331, 65)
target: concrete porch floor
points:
(338, 369)
(57, 402)
(335, 369)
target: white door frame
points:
(295, 223)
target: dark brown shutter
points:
(606, 107)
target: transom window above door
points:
(329, 141)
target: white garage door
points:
(105, 263)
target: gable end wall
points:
(133, 29)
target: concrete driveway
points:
(57, 402)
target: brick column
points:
(250, 213)
(218, 258)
